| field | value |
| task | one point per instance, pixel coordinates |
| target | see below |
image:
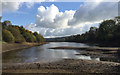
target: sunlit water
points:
(44, 54)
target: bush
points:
(16, 33)
(7, 36)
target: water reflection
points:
(43, 54)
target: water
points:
(43, 54)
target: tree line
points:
(18, 34)
(108, 32)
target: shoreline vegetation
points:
(18, 34)
(16, 37)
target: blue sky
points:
(59, 18)
(28, 15)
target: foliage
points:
(29, 37)
(39, 37)
(19, 33)
(5, 24)
(16, 33)
(108, 31)
(7, 36)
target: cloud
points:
(29, 4)
(10, 6)
(50, 22)
(14, 5)
(88, 13)
(50, 17)
(58, 32)
(92, 12)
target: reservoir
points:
(43, 54)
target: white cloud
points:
(94, 12)
(50, 22)
(29, 4)
(58, 32)
(50, 17)
(14, 5)
(10, 6)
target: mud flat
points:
(64, 66)
(86, 48)
(110, 54)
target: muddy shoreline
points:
(18, 46)
(87, 48)
(63, 66)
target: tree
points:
(106, 29)
(29, 37)
(39, 38)
(16, 33)
(7, 36)
(5, 24)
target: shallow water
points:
(43, 54)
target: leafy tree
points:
(39, 38)
(20, 34)
(29, 37)
(16, 33)
(108, 32)
(106, 29)
(7, 36)
(5, 24)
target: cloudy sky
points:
(55, 19)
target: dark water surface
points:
(43, 54)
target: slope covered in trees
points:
(107, 33)
(18, 34)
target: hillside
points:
(18, 34)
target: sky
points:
(27, 15)
(57, 19)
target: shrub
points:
(7, 36)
